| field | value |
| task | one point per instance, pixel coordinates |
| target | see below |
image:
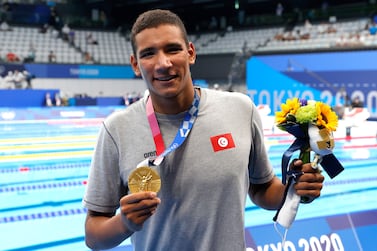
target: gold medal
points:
(144, 179)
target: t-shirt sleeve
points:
(260, 168)
(104, 187)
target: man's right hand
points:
(136, 208)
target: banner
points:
(332, 77)
(353, 231)
(72, 71)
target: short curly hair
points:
(153, 19)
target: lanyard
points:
(182, 133)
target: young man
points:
(206, 166)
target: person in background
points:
(18, 79)
(43, 29)
(357, 103)
(87, 58)
(28, 78)
(52, 57)
(58, 101)
(71, 38)
(207, 151)
(30, 57)
(90, 39)
(9, 80)
(54, 20)
(2, 57)
(279, 10)
(11, 57)
(65, 32)
(48, 100)
(4, 26)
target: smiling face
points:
(163, 59)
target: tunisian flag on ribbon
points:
(222, 142)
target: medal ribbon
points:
(182, 133)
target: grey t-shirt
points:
(204, 182)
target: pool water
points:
(44, 166)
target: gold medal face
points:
(144, 179)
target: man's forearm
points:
(268, 196)
(103, 232)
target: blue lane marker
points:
(41, 205)
(42, 186)
(44, 167)
(37, 216)
(253, 207)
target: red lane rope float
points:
(23, 169)
(44, 167)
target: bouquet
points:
(312, 123)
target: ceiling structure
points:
(197, 14)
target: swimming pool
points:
(44, 166)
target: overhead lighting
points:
(236, 5)
(202, 1)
